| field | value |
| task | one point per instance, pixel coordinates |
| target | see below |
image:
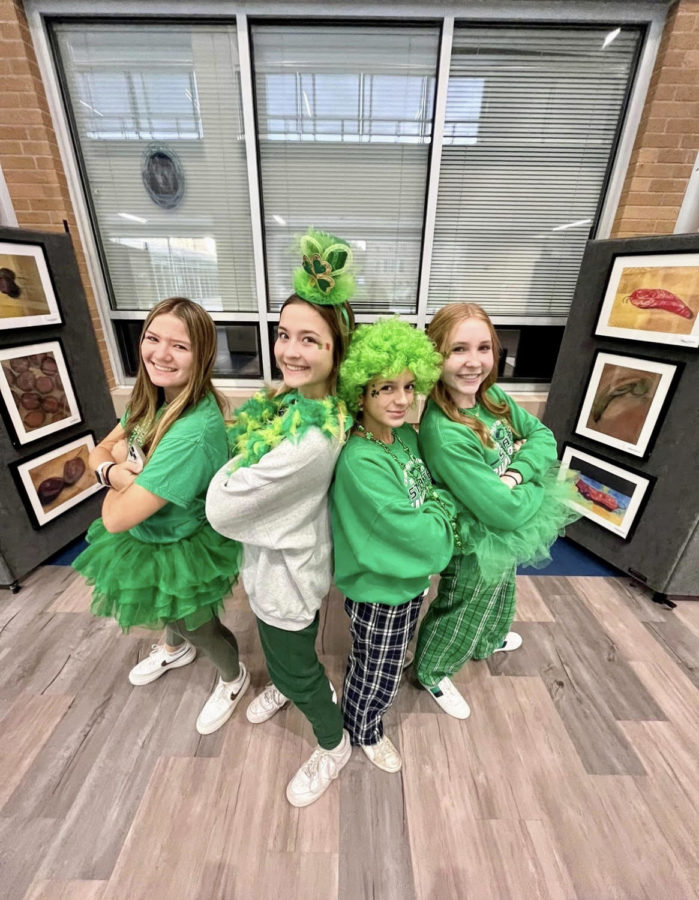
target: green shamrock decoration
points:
(319, 271)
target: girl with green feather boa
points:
(272, 497)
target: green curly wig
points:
(326, 276)
(384, 350)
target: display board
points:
(54, 401)
(624, 406)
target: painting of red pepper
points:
(609, 495)
(653, 298)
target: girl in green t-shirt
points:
(499, 462)
(152, 558)
(391, 528)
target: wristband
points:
(102, 473)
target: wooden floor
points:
(575, 777)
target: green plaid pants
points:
(468, 619)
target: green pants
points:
(213, 639)
(468, 619)
(296, 671)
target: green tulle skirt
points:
(497, 551)
(151, 584)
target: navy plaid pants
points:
(380, 637)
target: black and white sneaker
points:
(160, 661)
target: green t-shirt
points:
(388, 536)
(191, 452)
(459, 462)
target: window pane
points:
(345, 125)
(237, 354)
(158, 117)
(530, 128)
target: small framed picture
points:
(653, 298)
(609, 495)
(625, 400)
(27, 297)
(36, 390)
(53, 482)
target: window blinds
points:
(344, 125)
(171, 91)
(530, 126)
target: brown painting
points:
(622, 401)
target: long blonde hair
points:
(147, 398)
(440, 330)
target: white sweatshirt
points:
(278, 510)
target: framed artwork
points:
(607, 494)
(625, 400)
(652, 298)
(53, 482)
(36, 390)
(27, 297)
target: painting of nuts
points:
(36, 389)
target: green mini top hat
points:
(326, 276)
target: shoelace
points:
(271, 698)
(310, 768)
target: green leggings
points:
(213, 639)
(468, 619)
(296, 671)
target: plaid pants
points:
(468, 619)
(380, 637)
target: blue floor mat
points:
(568, 559)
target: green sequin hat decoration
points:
(326, 276)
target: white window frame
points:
(650, 14)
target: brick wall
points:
(29, 153)
(668, 138)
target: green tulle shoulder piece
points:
(263, 422)
(325, 276)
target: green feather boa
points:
(263, 422)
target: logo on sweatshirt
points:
(504, 444)
(417, 480)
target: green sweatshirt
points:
(459, 462)
(389, 537)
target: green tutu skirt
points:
(497, 551)
(151, 584)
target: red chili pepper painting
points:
(658, 298)
(598, 497)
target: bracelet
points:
(510, 475)
(513, 473)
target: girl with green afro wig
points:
(383, 350)
(392, 528)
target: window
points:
(531, 121)
(345, 125)
(157, 112)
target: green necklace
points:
(431, 493)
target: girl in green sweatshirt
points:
(499, 463)
(391, 528)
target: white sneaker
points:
(160, 661)
(513, 641)
(269, 702)
(383, 754)
(220, 706)
(448, 697)
(317, 774)
(265, 705)
(409, 658)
